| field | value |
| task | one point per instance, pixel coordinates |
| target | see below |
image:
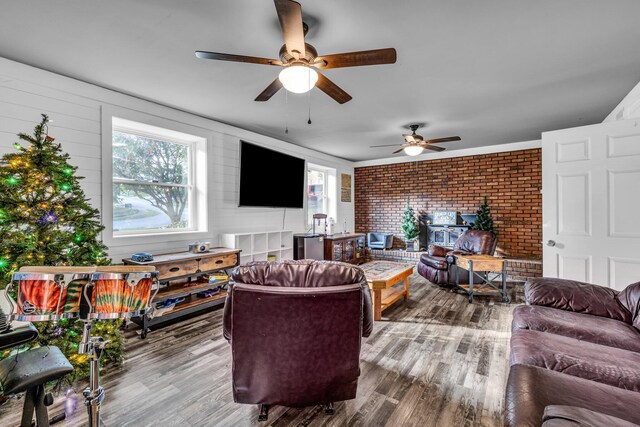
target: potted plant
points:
(410, 227)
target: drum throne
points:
(30, 370)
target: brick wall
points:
(523, 269)
(511, 181)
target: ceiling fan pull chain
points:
(286, 112)
(309, 100)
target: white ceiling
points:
(491, 71)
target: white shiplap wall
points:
(75, 108)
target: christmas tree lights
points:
(45, 219)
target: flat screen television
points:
(269, 178)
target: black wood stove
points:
(443, 228)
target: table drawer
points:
(177, 268)
(215, 263)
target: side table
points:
(488, 265)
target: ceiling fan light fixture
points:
(298, 78)
(413, 150)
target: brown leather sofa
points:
(438, 263)
(576, 345)
(295, 329)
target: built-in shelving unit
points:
(260, 246)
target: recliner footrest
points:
(32, 367)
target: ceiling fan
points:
(415, 144)
(300, 59)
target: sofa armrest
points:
(563, 415)
(435, 250)
(388, 241)
(226, 315)
(367, 311)
(579, 297)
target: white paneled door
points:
(591, 203)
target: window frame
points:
(154, 127)
(330, 188)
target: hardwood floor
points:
(436, 361)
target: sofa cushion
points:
(434, 261)
(571, 295)
(476, 242)
(573, 416)
(530, 390)
(595, 329)
(629, 298)
(595, 362)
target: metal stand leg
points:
(42, 417)
(29, 406)
(505, 298)
(470, 281)
(94, 394)
(145, 326)
(328, 409)
(264, 413)
(38, 399)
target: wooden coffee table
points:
(382, 276)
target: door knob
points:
(551, 243)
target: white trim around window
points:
(330, 191)
(151, 126)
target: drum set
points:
(89, 294)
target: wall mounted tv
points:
(269, 178)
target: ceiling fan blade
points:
(332, 89)
(387, 145)
(448, 139)
(433, 147)
(356, 59)
(236, 58)
(397, 151)
(290, 17)
(271, 90)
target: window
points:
(321, 189)
(154, 184)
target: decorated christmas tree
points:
(45, 219)
(409, 225)
(484, 221)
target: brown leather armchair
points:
(295, 329)
(437, 265)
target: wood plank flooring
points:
(436, 361)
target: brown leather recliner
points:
(295, 329)
(437, 265)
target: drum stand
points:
(93, 395)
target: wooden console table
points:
(179, 275)
(345, 247)
(486, 264)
